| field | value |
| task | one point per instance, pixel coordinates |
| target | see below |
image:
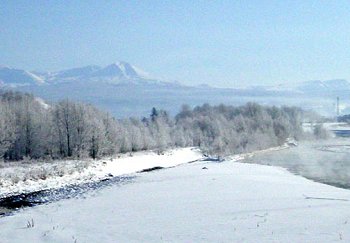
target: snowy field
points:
(17, 178)
(227, 202)
(196, 202)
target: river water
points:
(326, 161)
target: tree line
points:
(32, 129)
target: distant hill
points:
(117, 72)
(15, 77)
(126, 90)
(330, 87)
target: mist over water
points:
(326, 161)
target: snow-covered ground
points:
(337, 125)
(308, 127)
(18, 178)
(331, 126)
(25, 177)
(227, 202)
(198, 202)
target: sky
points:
(220, 43)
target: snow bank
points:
(227, 202)
(308, 127)
(336, 126)
(24, 178)
(240, 157)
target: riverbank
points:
(23, 178)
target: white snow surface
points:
(25, 178)
(330, 126)
(226, 202)
(336, 125)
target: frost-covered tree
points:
(7, 128)
(31, 129)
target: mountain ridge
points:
(125, 90)
(122, 72)
(117, 72)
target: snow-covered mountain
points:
(318, 86)
(15, 77)
(74, 73)
(126, 90)
(120, 70)
(117, 72)
(125, 73)
(312, 86)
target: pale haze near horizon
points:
(224, 44)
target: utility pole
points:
(337, 106)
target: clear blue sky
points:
(222, 43)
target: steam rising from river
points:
(326, 161)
